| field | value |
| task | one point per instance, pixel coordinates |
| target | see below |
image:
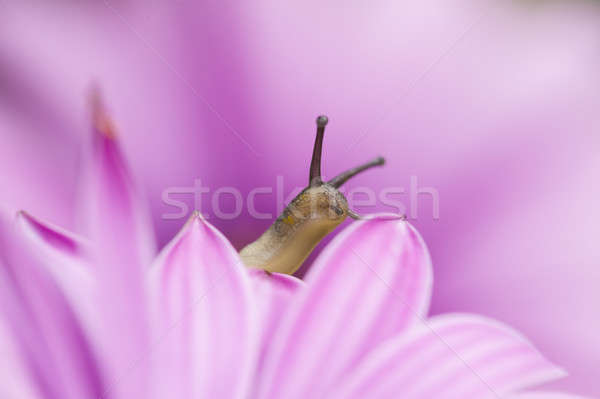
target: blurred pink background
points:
(494, 104)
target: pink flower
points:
(98, 318)
(492, 103)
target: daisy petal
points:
(203, 316)
(112, 211)
(451, 356)
(12, 365)
(53, 239)
(544, 395)
(64, 257)
(62, 254)
(371, 282)
(48, 335)
(274, 294)
(119, 228)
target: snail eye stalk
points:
(314, 178)
(350, 173)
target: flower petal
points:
(371, 282)
(53, 238)
(122, 246)
(64, 257)
(45, 328)
(112, 211)
(451, 356)
(12, 365)
(544, 395)
(203, 316)
(274, 294)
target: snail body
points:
(309, 217)
(313, 214)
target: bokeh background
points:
(493, 103)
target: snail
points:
(309, 217)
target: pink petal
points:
(205, 332)
(64, 257)
(451, 356)
(53, 238)
(273, 294)
(112, 211)
(372, 282)
(44, 327)
(12, 365)
(544, 395)
(122, 249)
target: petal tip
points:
(49, 233)
(103, 124)
(197, 215)
(22, 214)
(196, 219)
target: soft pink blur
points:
(493, 105)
